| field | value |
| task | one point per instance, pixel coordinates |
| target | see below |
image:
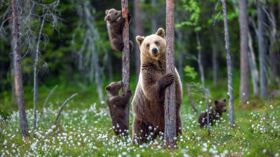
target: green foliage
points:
(193, 9)
(190, 73)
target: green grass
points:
(85, 128)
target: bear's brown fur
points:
(115, 24)
(117, 104)
(214, 114)
(148, 100)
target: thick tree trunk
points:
(170, 106)
(138, 31)
(229, 66)
(262, 48)
(244, 49)
(17, 70)
(253, 67)
(125, 57)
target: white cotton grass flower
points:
(5, 142)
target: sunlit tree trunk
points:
(170, 106)
(125, 57)
(262, 48)
(18, 84)
(138, 31)
(244, 49)
(199, 60)
(229, 65)
(253, 67)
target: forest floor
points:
(85, 129)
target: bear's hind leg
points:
(140, 131)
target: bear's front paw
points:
(167, 80)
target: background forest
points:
(67, 61)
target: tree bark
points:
(189, 93)
(229, 65)
(92, 36)
(253, 67)
(35, 75)
(262, 48)
(244, 49)
(199, 60)
(125, 56)
(214, 64)
(18, 84)
(138, 31)
(170, 106)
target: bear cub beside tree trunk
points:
(115, 23)
(117, 103)
(214, 114)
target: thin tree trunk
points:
(229, 66)
(244, 49)
(95, 68)
(110, 67)
(262, 48)
(138, 31)
(214, 64)
(253, 67)
(35, 75)
(189, 93)
(125, 57)
(17, 70)
(170, 106)
(199, 60)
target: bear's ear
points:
(106, 12)
(216, 102)
(160, 32)
(108, 88)
(139, 39)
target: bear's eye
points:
(157, 42)
(148, 45)
(116, 13)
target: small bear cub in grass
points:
(115, 23)
(214, 113)
(117, 104)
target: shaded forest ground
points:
(85, 127)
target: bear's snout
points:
(155, 51)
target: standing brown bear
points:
(117, 103)
(148, 100)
